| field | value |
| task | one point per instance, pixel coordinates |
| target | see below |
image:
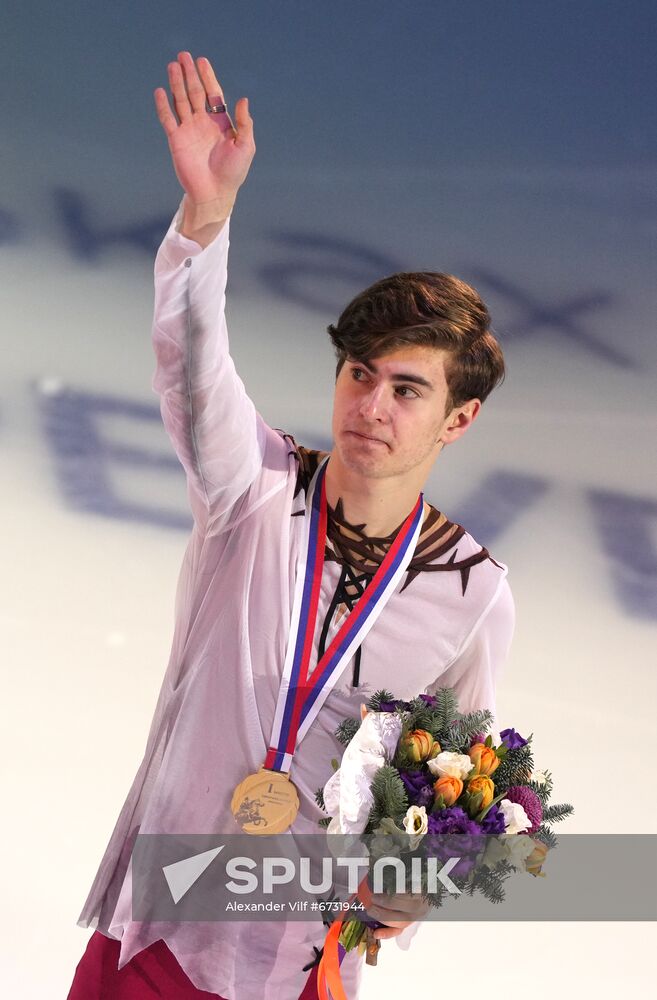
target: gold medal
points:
(265, 802)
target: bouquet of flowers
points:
(416, 771)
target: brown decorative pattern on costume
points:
(347, 544)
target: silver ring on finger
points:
(217, 109)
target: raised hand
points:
(211, 155)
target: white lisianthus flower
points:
(456, 765)
(516, 819)
(538, 777)
(416, 820)
(416, 824)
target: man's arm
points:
(211, 421)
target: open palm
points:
(211, 156)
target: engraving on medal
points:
(249, 812)
(266, 802)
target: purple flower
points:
(493, 821)
(512, 739)
(477, 738)
(529, 801)
(455, 835)
(418, 788)
(428, 699)
(452, 820)
(390, 706)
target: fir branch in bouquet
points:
(555, 813)
(515, 768)
(347, 730)
(489, 881)
(390, 799)
(374, 703)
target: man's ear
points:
(459, 420)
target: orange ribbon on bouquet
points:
(329, 981)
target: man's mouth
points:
(366, 437)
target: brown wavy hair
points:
(430, 309)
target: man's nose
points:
(373, 404)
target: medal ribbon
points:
(301, 697)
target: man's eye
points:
(406, 388)
(356, 371)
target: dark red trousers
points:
(152, 973)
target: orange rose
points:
(484, 758)
(449, 787)
(435, 750)
(419, 744)
(482, 783)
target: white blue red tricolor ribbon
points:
(301, 694)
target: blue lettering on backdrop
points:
(82, 456)
(562, 317)
(626, 528)
(86, 241)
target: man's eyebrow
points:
(398, 377)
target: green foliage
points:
(319, 798)
(489, 881)
(514, 769)
(390, 799)
(555, 813)
(373, 705)
(402, 758)
(463, 728)
(545, 835)
(347, 730)
(544, 791)
(446, 708)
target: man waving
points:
(415, 361)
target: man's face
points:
(389, 413)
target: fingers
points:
(244, 122)
(178, 91)
(164, 112)
(192, 85)
(188, 89)
(195, 89)
(209, 80)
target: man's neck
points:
(381, 505)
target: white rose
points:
(514, 850)
(519, 849)
(416, 824)
(516, 819)
(538, 777)
(456, 765)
